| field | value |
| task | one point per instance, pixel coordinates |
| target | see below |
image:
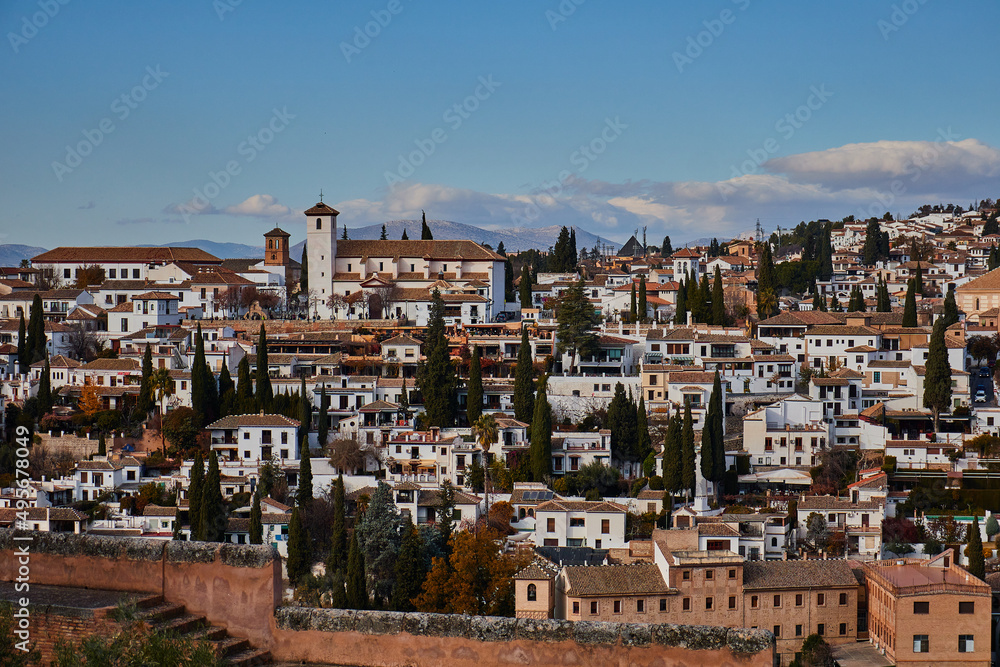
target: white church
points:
(394, 280)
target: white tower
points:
(321, 249)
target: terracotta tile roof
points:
(237, 421)
(717, 530)
(8, 515)
(156, 510)
(765, 575)
(322, 209)
(117, 254)
(601, 580)
(443, 249)
(157, 295)
(112, 365)
(539, 569)
(841, 504)
(580, 506)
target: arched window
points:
(274, 256)
(270, 244)
(521, 513)
(532, 593)
(774, 541)
(319, 223)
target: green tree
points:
(436, 376)
(524, 381)
(688, 476)
(383, 236)
(937, 376)
(44, 393)
(719, 315)
(541, 434)
(299, 561)
(990, 226)
(425, 231)
(36, 331)
(446, 514)
(22, 346)
(703, 303)
(246, 404)
(337, 559)
(825, 270)
(644, 443)
(766, 282)
(884, 300)
(816, 652)
(338, 592)
(195, 491)
(411, 570)
(633, 309)
(378, 534)
(919, 279)
(621, 420)
(304, 271)
(305, 413)
(666, 249)
(304, 493)
(910, 306)
(680, 308)
(835, 306)
(256, 527)
(525, 286)
(576, 320)
(213, 522)
(265, 395)
(713, 437)
(643, 304)
(974, 550)
(199, 385)
(474, 398)
(323, 420)
(357, 591)
(950, 308)
(102, 445)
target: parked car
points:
(980, 395)
(984, 371)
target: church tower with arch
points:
(321, 249)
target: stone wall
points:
(52, 624)
(78, 448)
(334, 636)
(235, 586)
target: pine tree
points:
(524, 381)
(425, 231)
(404, 237)
(950, 308)
(525, 287)
(666, 249)
(977, 563)
(195, 491)
(245, 402)
(299, 560)
(44, 393)
(633, 310)
(323, 420)
(937, 375)
(688, 476)
(305, 415)
(199, 389)
(541, 434)
(411, 570)
(337, 560)
(304, 493)
(22, 347)
(719, 315)
(644, 446)
(213, 522)
(357, 591)
(643, 305)
(576, 320)
(383, 236)
(256, 526)
(474, 399)
(304, 271)
(265, 395)
(910, 307)
(436, 376)
(145, 401)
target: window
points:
(966, 607)
(843, 629)
(843, 599)
(319, 223)
(754, 602)
(593, 607)
(618, 606)
(550, 525)
(576, 607)
(798, 630)
(777, 631)
(922, 607)
(605, 526)
(532, 593)
(284, 437)
(732, 602)
(708, 604)
(966, 644)
(135, 273)
(732, 573)
(686, 604)
(820, 599)
(686, 575)
(821, 629)
(663, 604)
(798, 599)
(921, 644)
(640, 606)
(777, 601)
(576, 522)
(709, 574)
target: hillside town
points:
(791, 431)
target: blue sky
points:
(693, 119)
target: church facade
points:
(353, 279)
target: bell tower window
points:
(319, 223)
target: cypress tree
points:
(411, 570)
(45, 389)
(299, 560)
(621, 421)
(265, 396)
(102, 445)
(919, 280)
(195, 491)
(22, 347)
(383, 236)
(680, 309)
(227, 391)
(304, 493)
(425, 231)
(211, 394)
(719, 316)
(819, 303)
(643, 306)
(36, 332)
(666, 249)
(404, 237)
(704, 302)
(644, 444)
(145, 401)
(717, 440)
(950, 308)
(337, 560)
(977, 563)
(541, 434)
(213, 522)
(766, 282)
(256, 527)
(937, 375)
(688, 477)
(673, 465)
(357, 592)
(524, 380)
(633, 310)
(338, 594)
(474, 399)
(304, 272)
(835, 304)
(826, 254)
(525, 287)
(305, 414)
(436, 376)
(574, 254)
(344, 235)
(199, 389)
(245, 402)
(910, 307)
(323, 421)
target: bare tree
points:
(384, 298)
(83, 343)
(346, 454)
(232, 300)
(47, 278)
(336, 302)
(264, 299)
(89, 274)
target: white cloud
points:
(259, 206)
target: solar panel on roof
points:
(531, 495)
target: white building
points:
(565, 523)
(255, 438)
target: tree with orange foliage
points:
(90, 401)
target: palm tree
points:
(162, 385)
(487, 433)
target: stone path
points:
(64, 596)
